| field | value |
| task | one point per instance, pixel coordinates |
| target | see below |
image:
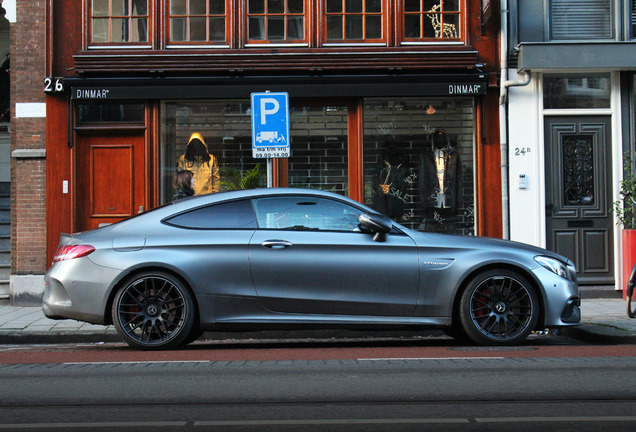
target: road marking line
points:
(91, 425)
(431, 358)
(327, 422)
(135, 362)
(556, 419)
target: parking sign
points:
(270, 125)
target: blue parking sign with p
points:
(270, 125)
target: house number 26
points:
(53, 85)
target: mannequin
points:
(203, 165)
(440, 175)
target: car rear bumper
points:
(78, 289)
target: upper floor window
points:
(198, 21)
(428, 20)
(257, 23)
(276, 21)
(119, 21)
(354, 21)
(633, 19)
(581, 19)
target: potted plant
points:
(233, 179)
(624, 209)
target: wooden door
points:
(111, 178)
(578, 195)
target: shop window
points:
(432, 20)
(277, 21)
(319, 147)
(354, 21)
(213, 139)
(198, 21)
(119, 22)
(418, 162)
(581, 19)
(576, 91)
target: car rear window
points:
(229, 215)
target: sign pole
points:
(270, 173)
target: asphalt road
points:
(319, 388)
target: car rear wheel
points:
(498, 307)
(153, 310)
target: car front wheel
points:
(153, 310)
(499, 307)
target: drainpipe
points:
(503, 116)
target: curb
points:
(40, 338)
(600, 333)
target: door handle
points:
(276, 244)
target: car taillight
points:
(72, 251)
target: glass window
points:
(230, 215)
(213, 139)
(633, 19)
(94, 112)
(119, 21)
(581, 19)
(431, 20)
(319, 147)
(305, 214)
(418, 162)
(576, 91)
(276, 21)
(198, 21)
(354, 21)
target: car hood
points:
(473, 242)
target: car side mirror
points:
(376, 224)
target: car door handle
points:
(276, 244)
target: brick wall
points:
(28, 172)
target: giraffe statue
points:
(446, 30)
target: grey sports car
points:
(296, 258)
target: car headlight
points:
(554, 265)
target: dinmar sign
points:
(346, 89)
(466, 89)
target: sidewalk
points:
(604, 320)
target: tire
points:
(153, 310)
(498, 307)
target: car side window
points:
(228, 215)
(305, 214)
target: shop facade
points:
(571, 123)
(392, 103)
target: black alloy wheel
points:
(153, 310)
(499, 307)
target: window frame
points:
(150, 16)
(167, 24)
(423, 15)
(386, 12)
(550, 26)
(304, 42)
